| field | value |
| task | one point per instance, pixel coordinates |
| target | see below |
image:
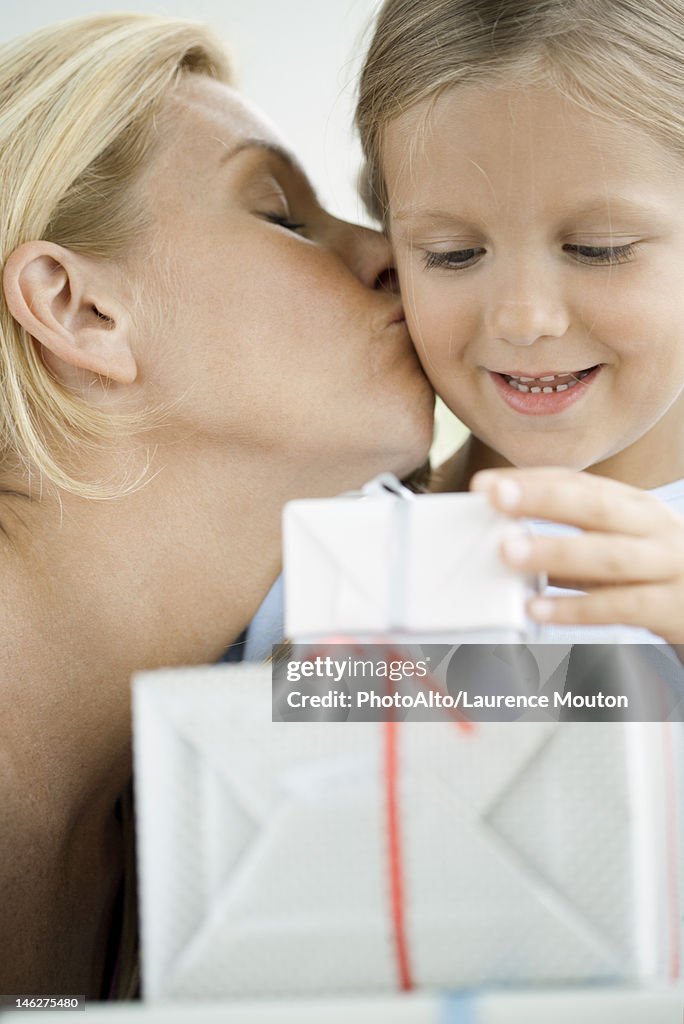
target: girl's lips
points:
(542, 403)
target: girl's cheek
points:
(430, 334)
(441, 317)
(620, 315)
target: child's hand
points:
(630, 560)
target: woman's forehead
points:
(204, 112)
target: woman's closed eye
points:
(283, 220)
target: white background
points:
(297, 59)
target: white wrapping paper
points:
(528, 853)
(393, 562)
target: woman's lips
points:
(524, 392)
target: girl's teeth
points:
(536, 390)
(523, 383)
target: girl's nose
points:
(526, 309)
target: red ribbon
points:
(395, 860)
(395, 867)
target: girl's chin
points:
(551, 458)
(529, 451)
(548, 456)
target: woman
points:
(187, 341)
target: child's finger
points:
(593, 557)
(578, 499)
(651, 607)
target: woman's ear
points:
(68, 303)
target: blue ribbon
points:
(458, 1008)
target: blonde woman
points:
(187, 340)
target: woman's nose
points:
(523, 312)
(368, 255)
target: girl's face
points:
(275, 337)
(540, 251)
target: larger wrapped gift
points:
(316, 858)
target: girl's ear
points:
(68, 303)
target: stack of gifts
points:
(399, 870)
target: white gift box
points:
(307, 859)
(399, 563)
(567, 1006)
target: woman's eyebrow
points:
(272, 149)
(268, 147)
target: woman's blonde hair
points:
(620, 57)
(78, 103)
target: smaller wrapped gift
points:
(388, 561)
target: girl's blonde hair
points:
(78, 103)
(620, 57)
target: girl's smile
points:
(544, 393)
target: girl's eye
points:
(603, 255)
(283, 221)
(457, 259)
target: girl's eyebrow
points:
(416, 212)
(615, 201)
(413, 210)
(608, 205)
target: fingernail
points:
(541, 609)
(508, 493)
(517, 547)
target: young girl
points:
(527, 160)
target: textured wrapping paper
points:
(588, 1006)
(307, 859)
(394, 562)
